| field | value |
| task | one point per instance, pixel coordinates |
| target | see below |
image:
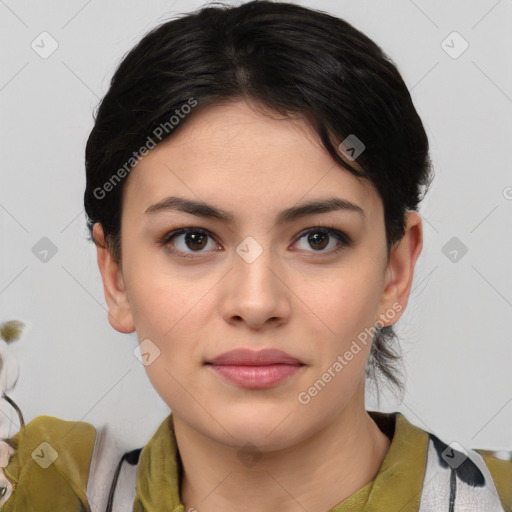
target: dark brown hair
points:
(295, 60)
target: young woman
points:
(253, 181)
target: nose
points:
(255, 289)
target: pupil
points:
(193, 238)
(314, 239)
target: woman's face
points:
(260, 280)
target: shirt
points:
(54, 464)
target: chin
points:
(268, 432)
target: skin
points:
(311, 303)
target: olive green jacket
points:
(66, 466)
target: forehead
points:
(244, 160)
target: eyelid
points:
(344, 240)
(328, 228)
(168, 236)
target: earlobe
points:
(119, 312)
(400, 268)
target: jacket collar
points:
(159, 472)
(398, 483)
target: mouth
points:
(256, 377)
(255, 370)
(247, 357)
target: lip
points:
(247, 357)
(255, 369)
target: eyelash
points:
(343, 239)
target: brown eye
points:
(318, 238)
(187, 241)
(195, 240)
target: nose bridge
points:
(258, 289)
(253, 260)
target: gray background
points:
(455, 333)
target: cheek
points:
(160, 300)
(348, 303)
(172, 312)
(347, 307)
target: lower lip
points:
(256, 377)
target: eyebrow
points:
(202, 209)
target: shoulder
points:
(471, 479)
(451, 477)
(499, 463)
(47, 454)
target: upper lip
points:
(247, 357)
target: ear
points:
(119, 312)
(400, 270)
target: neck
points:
(314, 475)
